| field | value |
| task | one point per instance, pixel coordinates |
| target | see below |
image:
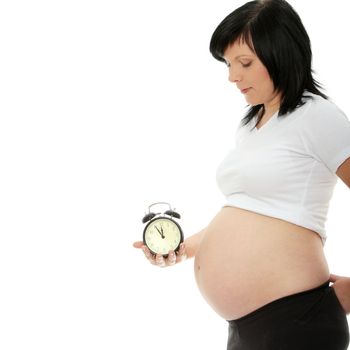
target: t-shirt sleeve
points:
(326, 134)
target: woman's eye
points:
(246, 65)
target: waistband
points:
(274, 304)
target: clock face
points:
(161, 235)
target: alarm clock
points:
(162, 233)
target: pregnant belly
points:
(246, 260)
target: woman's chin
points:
(251, 101)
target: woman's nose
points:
(234, 76)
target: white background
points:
(107, 107)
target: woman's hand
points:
(341, 287)
(158, 259)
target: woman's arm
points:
(343, 172)
(192, 243)
(341, 284)
(341, 287)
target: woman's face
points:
(250, 75)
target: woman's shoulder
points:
(317, 108)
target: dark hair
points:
(274, 31)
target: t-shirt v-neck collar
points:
(266, 124)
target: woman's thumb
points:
(333, 278)
(138, 244)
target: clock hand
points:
(161, 228)
(160, 232)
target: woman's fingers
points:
(171, 259)
(138, 244)
(159, 259)
(181, 254)
(150, 257)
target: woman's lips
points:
(244, 91)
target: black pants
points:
(311, 320)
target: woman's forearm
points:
(192, 244)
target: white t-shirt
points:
(286, 168)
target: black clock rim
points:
(166, 218)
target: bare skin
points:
(237, 276)
(246, 260)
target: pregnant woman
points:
(260, 262)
